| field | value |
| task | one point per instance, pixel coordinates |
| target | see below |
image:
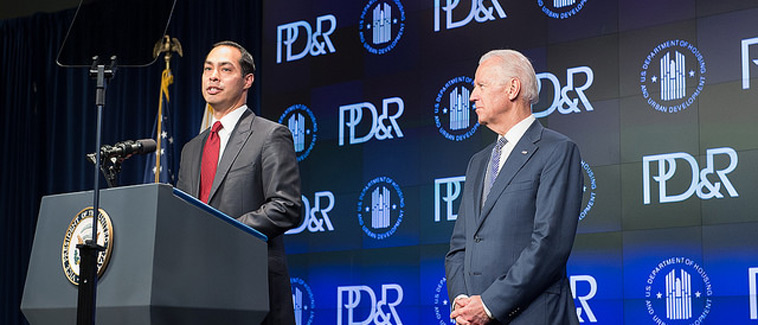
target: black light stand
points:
(85, 313)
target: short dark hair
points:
(246, 59)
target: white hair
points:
(513, 64)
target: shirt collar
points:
(229, 121)
(517, 131)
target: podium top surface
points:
(223, 216)
(190, 200)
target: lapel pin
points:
(523, 152)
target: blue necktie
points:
(493, 168)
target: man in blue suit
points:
(519, 211)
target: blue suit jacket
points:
(513, 250)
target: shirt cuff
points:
(486, 310)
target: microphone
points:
(125, 149)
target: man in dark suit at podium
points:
(245, 166)
(519, 210)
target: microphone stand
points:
(87, 299)
(112, 157)
(110, 166)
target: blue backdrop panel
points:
(660, 96)
(651, 91)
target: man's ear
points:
(514, 88)
(249, 78)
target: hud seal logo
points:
(561, 9)
(302, 123)
(387, 203)
(378, 21)
(590, 185)
(453, 112)
(442, 304)
(672, 76)
(682, 289)
(305, 304)
(78, 232)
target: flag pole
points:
(166, 45)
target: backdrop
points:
(660, 97)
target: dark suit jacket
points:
(513, 250)
(257, 182)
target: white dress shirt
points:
(513, 136)
(229, 122)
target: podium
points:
(174, 260)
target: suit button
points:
(477, 239)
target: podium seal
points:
(78, 232)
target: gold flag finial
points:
(167, 45)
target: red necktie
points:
(210, 162)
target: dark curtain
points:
(49, 117)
